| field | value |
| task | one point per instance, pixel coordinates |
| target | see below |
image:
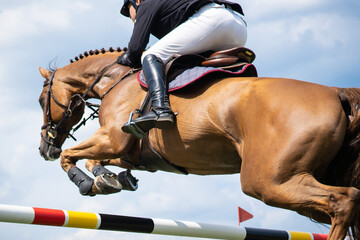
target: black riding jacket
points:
(159, 17)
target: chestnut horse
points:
(296, 144)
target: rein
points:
(53, 128)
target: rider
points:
(183, 27)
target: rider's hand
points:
(126, 60)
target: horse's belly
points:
(203, 156)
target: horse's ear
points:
(45, 73)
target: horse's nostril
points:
(55, 153)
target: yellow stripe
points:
(300, 236)
(82, 220)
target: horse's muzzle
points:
(49, 152)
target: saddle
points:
(227, 59)
(230, 59)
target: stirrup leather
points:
(131, 127)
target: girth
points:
(149, 159)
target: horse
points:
(294, 143)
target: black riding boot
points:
(161, 116)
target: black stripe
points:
(260, 234)
(124, 223)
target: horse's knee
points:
(90, 164)
(66, 161)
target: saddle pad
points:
(192, 75)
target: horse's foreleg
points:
(91, 163)
(98, 146)
(108, 182)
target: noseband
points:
(52, 128)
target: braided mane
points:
(96, 52)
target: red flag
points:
(244, 215)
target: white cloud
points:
(326, 29)
(265, 8)
(95, 235)
(3, 72)
(18, 127)
(268, 220)
(311, 46)
(90, 235)
(18, 23)
(35, 18)
(5, 188)
(5, 92)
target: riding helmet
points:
(125, 8)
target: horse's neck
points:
(83, 74)
(113, 76)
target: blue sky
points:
(310, 40)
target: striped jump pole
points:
(88, 220)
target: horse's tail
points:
(350, 99)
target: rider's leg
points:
(213, 27)
(161, 115)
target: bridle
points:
(52, 128)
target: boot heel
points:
(165, 122)
(145, 125)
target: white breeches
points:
(213, 27)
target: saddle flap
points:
(181, 63)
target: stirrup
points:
(132, 128)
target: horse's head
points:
(66, 90)
(62, 109)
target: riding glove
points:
(126, 60)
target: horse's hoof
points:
(107, 184)
(128, 181)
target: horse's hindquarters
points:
(292, 132)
